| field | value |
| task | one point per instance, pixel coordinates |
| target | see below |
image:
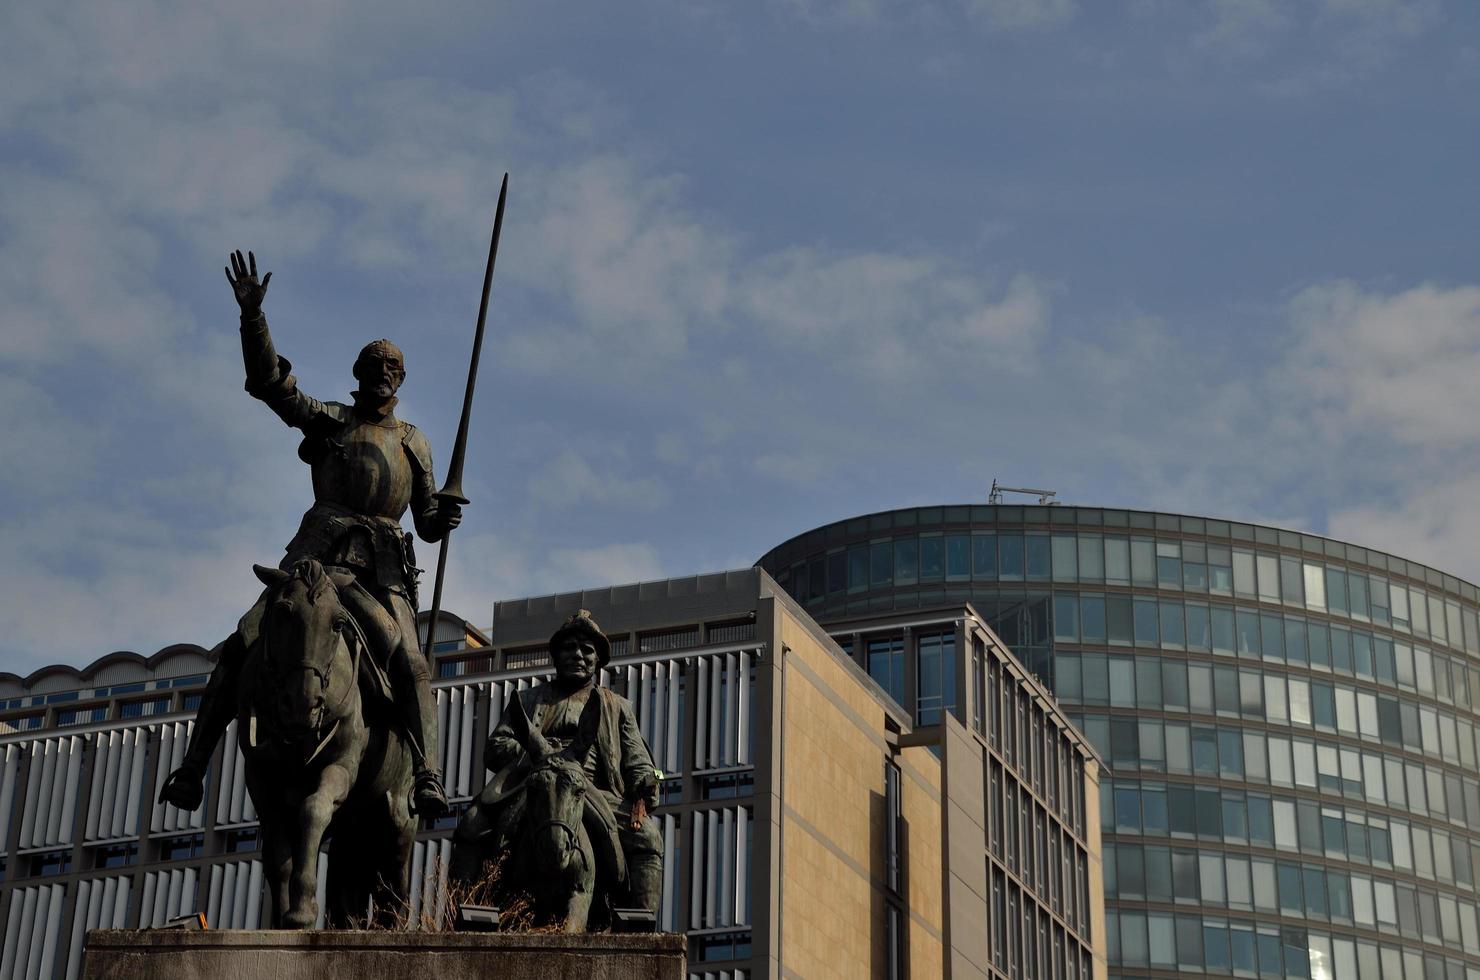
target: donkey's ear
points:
(270, 577)
(518, 718)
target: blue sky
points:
(765, 265)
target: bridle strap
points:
(572, 837)
(359, 645)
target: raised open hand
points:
(249, 292)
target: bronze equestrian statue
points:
(562, 740)
(368, 469)
(322, 754)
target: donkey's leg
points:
(308, 834)
(581, 879)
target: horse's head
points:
(555, 790)
(305, 631)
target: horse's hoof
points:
(295, 920)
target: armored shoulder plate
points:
(418, 449)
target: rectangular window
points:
(1065, 618)
(935, 677)
(1037, 560)
(1065, 558)
(1092, 618)
(1117, 561)
(886, 665)
(1010, 557)
(932, 558)
(858, 568)
(837, 572)
(1169, 564)
(1336, 591)
(1173, 629)
(958, 557)
(1269, 577)
(1244, 582)
(907, 561)
(1091, 558)
(1148, 630)
(1199, 629)
(1224, 641)
(1272, 636)
(1247, 625)
(1143, 561)
(881, 564)
(984, 556)
(1315, 587)
(1119, 622)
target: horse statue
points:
(561, 838)
(324, 756)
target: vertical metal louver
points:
(235, 896)
(719, 886)
(168, 818)
(117, 784)
(166, 895)
(456, 710)
(102, 903)
(33, 931)
(233, 803)
(722, 706)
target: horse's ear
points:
(270, 577)
(590, 724)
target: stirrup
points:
(428, 797)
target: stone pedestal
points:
(230, 954)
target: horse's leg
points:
(277, 866)
(582, 881)
(308, 834)
(277, 857)
(390, 829)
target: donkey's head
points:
(555, 791)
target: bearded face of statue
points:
(380, 369)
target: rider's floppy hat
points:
(582, 626)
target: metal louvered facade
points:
(86, 845)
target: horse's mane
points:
(311, 573)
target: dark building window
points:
(724, 946)
(935, 677)
(886, 665)
(119, 856)
(51, 863)
(238, 841)
(176, 848)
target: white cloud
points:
(1245, 27)
(1433, 522)
(570, 480)
(1402, 365)
(1019, 15)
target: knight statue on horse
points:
(368, 469)
(570, 801)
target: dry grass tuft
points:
(516, 910)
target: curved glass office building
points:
(1290, 721)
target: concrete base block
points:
(232, 954)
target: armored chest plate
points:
(366, 470)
